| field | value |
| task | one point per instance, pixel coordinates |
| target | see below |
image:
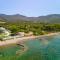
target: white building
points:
(4, 32)
(21, 34)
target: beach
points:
(22, 39)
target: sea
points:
(45, 48)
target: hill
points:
(52, 18)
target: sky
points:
(30, 8)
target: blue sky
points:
(30, 7)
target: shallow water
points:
(47, 48)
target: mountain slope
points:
(53, 18)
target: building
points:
(4, 32)
(21, 34)
(29, 34)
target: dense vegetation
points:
(36, 27)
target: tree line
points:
(36, 27)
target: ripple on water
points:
(37, 50)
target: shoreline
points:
(22, 39)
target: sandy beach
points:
(21, 39)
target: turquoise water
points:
(47, 48)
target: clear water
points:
(47, 48)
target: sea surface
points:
(46, 48)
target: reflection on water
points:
(47, 48)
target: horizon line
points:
(28, 16)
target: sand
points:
(21, 39)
